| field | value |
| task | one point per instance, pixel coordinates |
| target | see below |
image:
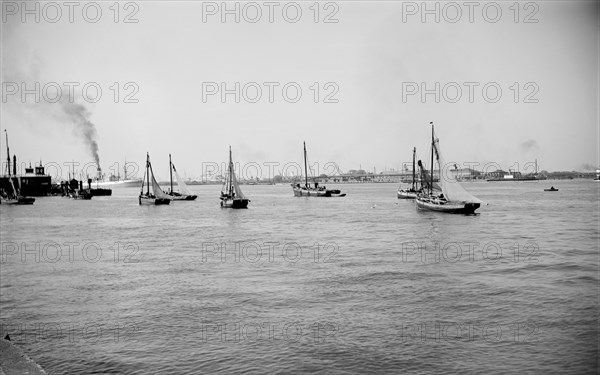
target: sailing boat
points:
(454, 198)
(158, 196)
(184, 193)
(13, 196)
(316, 191)
(231, 194)
(412, 192)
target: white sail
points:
(451, 188)
(236, 185)
(183, 189)
(158, 193)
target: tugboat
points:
(98, 191)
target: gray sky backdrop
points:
(374, 53)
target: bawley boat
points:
(412, 192)
(316, 191)
(157, 196)
(12, 196)
(184, 193)
(231, 194)
(454, 198)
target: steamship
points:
(102, 181)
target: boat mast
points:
(432, 146)
(230, 191)
(305, 168)
(7, 153)
(414, 153)
(171, 172)
(148, 172)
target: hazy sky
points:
(374, 61)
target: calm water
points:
(359, 284)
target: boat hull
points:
(406, 194)
(152, 201)
(183, 197)
(121, 183)
(235, 203)
(463, 208)
(83, 195)
(326, 193)
(100, 192)
(17, 201)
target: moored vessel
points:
(412, 192)
(11, 195)
(316, 190)
(454, 198)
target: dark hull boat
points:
(157, 197)
(82, 194)
(101, 192)
(175, 196)
(152, 200)
(18, 200)
(316, 190)
(551, 189)
(184, 193)
(234, 203)
(231, 195)
(454, 199)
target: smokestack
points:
(90, 183)
(15, 165)
(80, 185)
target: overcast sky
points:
(372, 65)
